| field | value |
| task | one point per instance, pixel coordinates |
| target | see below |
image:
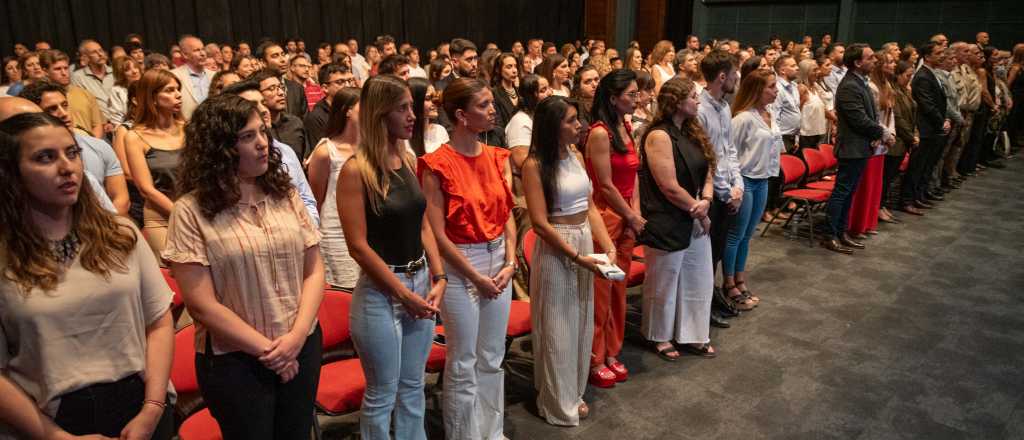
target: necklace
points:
(65, 249)
(513, 94)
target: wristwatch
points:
(511, 264)
(439, 277)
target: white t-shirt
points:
(519, 130)
(433, 137)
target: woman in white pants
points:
(677, 162)
(468, 187)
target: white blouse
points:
(519, 130)
(758, 144)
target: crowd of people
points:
(259, 174)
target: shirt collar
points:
(717, 103)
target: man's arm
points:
(850, 105)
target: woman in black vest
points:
(676, 167)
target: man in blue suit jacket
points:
(859, 133)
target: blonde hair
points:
(660, 50)
(380, 95)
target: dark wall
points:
(423, 22)
(755, 23)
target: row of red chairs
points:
(808, 183)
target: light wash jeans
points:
(393, 349)
(737, 242)
(475, 329)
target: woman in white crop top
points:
(558, 196)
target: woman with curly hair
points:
(153, 147)
(69, 267)
(245, 253)
(677, 163)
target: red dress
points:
(867, 198)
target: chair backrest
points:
(529, 240)
(792, 168)
(817, 163)
(829, 151)
(173, 284)
(333, 317)
(183, 369)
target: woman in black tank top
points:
(389, 237)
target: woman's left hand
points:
(284, 350)
(503, 277)
(142, 426)
(436, 293)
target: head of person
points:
(1017, 56)
(226, 54)
(757, 90)
(440, 69)
(808, 40)
(809, 73)
(57, 66)
(645, 89)
(932, 53)
(663, 53)
(860, 58)
(424, 104)
(678, 102)
(982, 38)
(244, 65)
(135, 51)
(615, 98)
(373, 54)
(157, 61)
(344, 112)
(824, 66)
(533, 89)
(909, 53)
(386, 44)
(754, 63)
(20, 49)
(244, 48)
(386, 116)
(556, 69)
(50, 97)
(157, 95)
(221, 80)
(226, 144)
(548, 48)
(687, 63)
(719, 69)
(353, 45)
(95, 56)
(534, 47)
(413, 54)
(634, 59)
(904, 74)
(290, 46)
(826, 39)
(394, 64)
(300, 67)
(31, 69)
(786, 67)
(12, 73)
(517, 48)
(126, 71)
(836, 53)
(41, 171)
(274, 96)
(193, 51)
(465, 60)
(469, 104)
(334, 77)
(505, 70)
(273, 56)
(585, 84)
(693, 42)
(250, 90)
(555, 125)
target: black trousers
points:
(106, 408)
(250, 402)
(838, 207)
(979, 128)
(721, 220)
(919, 171)
(889, 175)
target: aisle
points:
(919, 336)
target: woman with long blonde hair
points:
(388, 235)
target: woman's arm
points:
(134, 149)
(663, 168)
(159, 354)
(286, 348)
(508, 270)
(319, 175)
(120, 135)
(599, 152)
(434, 262)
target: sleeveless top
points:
(574, 188)
(163, 167)
(395, 233)
(624, 165)
(341, 270)
(478, 201)
(669, 227)
(812, 115)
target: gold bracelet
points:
(156, 403)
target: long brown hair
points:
(751, 87)
(25, 256)
(146, 89)
(380, 95)
(672, 93)
(886, 98)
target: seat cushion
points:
(341, 388)
(436, 359)
(200, 426)
(519, 319)
(824, 185)
(637, 272)
(813, 195)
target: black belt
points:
(410, 267)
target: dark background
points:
(422, 22)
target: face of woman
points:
(636, 62)
(168, 99)
(12, 71)
(543, 89)
(805, 53)
(447, 70)
(509, 71)
(561, 72)
(401, 118)
(903, 79)
(670, 57)
(253, 154)
(889, 67)
(588, 84)
(429, 107)
(691, 63)
(764, 64)
(914, 56)
(769, 93)
(570, 128)
(478, 116)
(826, 68)
(245, 68)
(132, 72)
(688, 107)
(625, 102)
(227, 79)
(33, 69)
(51, 167)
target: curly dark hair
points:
(209, 162)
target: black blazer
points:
(931, 103)
(503, 106)
(296, 97)
(858, 123)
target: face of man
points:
(291, 46)
(194, 53)
(353, 46)
(336, 82)
(974, 56)
(466, 64)
(59, 72)
(935, 58)
(837, 55)
(273, 95)
(535, 48)
(300, 69)
(941, 40)
(867, 62)
(389, 49)
(771, 55)
(788, 69)
(94, 54)
(244, 49)
(983, 38)
(275, 59)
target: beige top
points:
(256, 257)
(88, 330)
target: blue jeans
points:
(393, 349)
(838, 207)
(745, 221)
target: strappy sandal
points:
(665, 352)
(747, 293)
(702, 350)
(583, 411)
(739, 300)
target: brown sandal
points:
(739, 300)
(747, 293)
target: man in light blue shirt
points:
(194, 78)
(835, 53)
(787, 101)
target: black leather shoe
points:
(717, 320)
(845, 240)
(834, 246)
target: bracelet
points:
(156, 403)
(439, 277)
(511, 264)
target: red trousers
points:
(609, 296)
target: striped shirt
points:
(255, 253)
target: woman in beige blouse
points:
(84, 328)
(246, 255)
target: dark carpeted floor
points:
(920, 336)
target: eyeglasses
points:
(274, 88)
(343, 82)
(631, 95)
